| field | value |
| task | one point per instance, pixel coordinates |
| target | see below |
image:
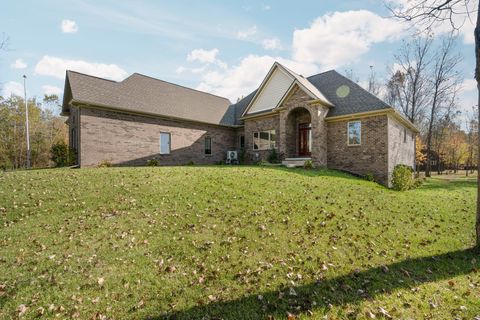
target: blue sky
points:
(223, 47)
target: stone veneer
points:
(127, 139)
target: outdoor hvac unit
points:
(232, 157)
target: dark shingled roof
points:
(357, 100)
(139, 93)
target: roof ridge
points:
(89, 75)
(317, 74)
(178, 85)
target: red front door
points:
(304, 139)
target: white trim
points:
(348, 134)
(269, 140)
(169, 143)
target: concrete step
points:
(294, 162)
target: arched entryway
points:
(299, 133)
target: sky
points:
(222, 47)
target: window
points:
(208, 145)
(404, 135)
(73, 137)
(164, 143)
(354, 133)
(264, 140)
(242, 142)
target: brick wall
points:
(371, 157)
(401, 148)
(126, 139)
(254, 125)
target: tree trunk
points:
(477, 77)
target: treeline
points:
(423, 84)
(45, 127)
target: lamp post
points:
(26, 120)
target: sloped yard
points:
(234, 243)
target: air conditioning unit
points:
(232, 157)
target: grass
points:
(234, 243)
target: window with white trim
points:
(354, 133)
(164, 143)
(208, 145)
(264, 140)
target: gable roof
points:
(313, 91)
(140, 93)
(357, 100)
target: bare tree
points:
(429, 13)
(445, 81)
(4, 40)
(373, 85)
(408, 86)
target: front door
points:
(304, 139)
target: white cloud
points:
(19, 64)
(469, 85)
(266, 7)
(271, 44)
(56, 67)
(202, 55)
(245, 77)
(339, 38)
(48, 89)
(248, 33)
(12, 87)
(69, 26)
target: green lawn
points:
(234, 243)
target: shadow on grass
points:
(352, 288)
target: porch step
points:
(294, 162)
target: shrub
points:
(104, 164)
(62, 156)
(241, 156)
(402, 178)
(369, 177)
(190, 163)
(152, 163)
(273, 156)
(261, 163)
(308, 164)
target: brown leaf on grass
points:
(21, 310)
(384, 313)
(100, 281)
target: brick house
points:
(326, 118)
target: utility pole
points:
(26, 120)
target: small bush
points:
(273, 156)
(152, 163)
(62, 156)
(369, 177)
(190, 163)
(308, 164)
(262, 163)
(402, 178)
(241, 156)
(104, 164)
